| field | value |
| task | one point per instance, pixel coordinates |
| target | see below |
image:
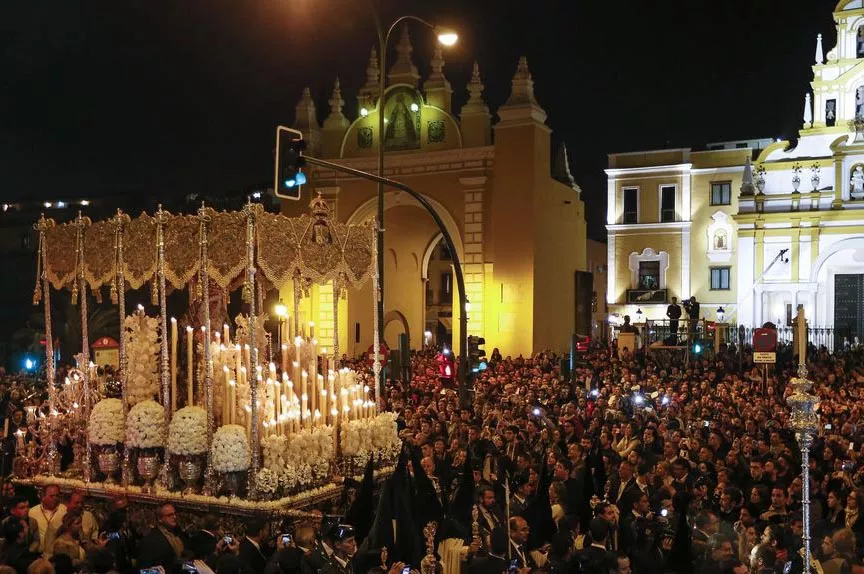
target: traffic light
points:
(476, 361)
(289, 163)
(696, 349)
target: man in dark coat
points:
(164, 545)
(253, 548)
(344, 549)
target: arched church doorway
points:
(440, 289)
(838, 275)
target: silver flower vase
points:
(232, 481)
(109, 463)
(189, 468)
(148, 468)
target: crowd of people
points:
(637, 462)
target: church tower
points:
(838, 76)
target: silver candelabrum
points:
(805, 422)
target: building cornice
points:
(675, 168)
(415, 163)
(671, 226)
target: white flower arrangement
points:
(141, 335)
(230, 449)
(296, 476)
(145, 425)
(105, 427)
(369, 435)
(312, 448)
(187, 433)
(267, 481)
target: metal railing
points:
(653, 331)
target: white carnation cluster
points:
(230, 449)
(296, 476)
(106, 423)
(312, 447)
(145, 425)
(187, 433)
(359, 437)
(141, 335)
(267, 481)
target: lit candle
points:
(802, 336)
(226, 398)
(311, 329)
(248, 422)
(173, 364)
(303, 391)
(190, 341)
(232, 389)
(226, 337)
(284, 357)
(330, 378)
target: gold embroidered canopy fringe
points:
(313, 248)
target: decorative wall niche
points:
(720, 238)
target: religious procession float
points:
(206, 411)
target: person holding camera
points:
(692, 307)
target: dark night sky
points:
(149, 96)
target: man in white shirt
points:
(49, 517)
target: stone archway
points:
(395, 324)
(410, 235)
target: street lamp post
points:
(448, 241)
(447, 38)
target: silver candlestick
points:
(805, 422)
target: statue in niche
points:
(720, 242)
(859, 102)
(857, 182)
(401, 131)
(859, 42)
(830, 114)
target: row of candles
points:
(293, 395)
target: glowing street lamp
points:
(447, 38)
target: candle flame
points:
(334, 412)
(173, 319)
(189, 329)
(232, 383)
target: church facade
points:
(755, 227)
(517, 218)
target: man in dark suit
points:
(164, 545)
(495, 561)
(521, 493)
(202, 544)
(318, 555)
(596, 558)
(253, 547)
(519, 532)
(620, 484)
(344, 549)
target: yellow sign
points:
(764, 357)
